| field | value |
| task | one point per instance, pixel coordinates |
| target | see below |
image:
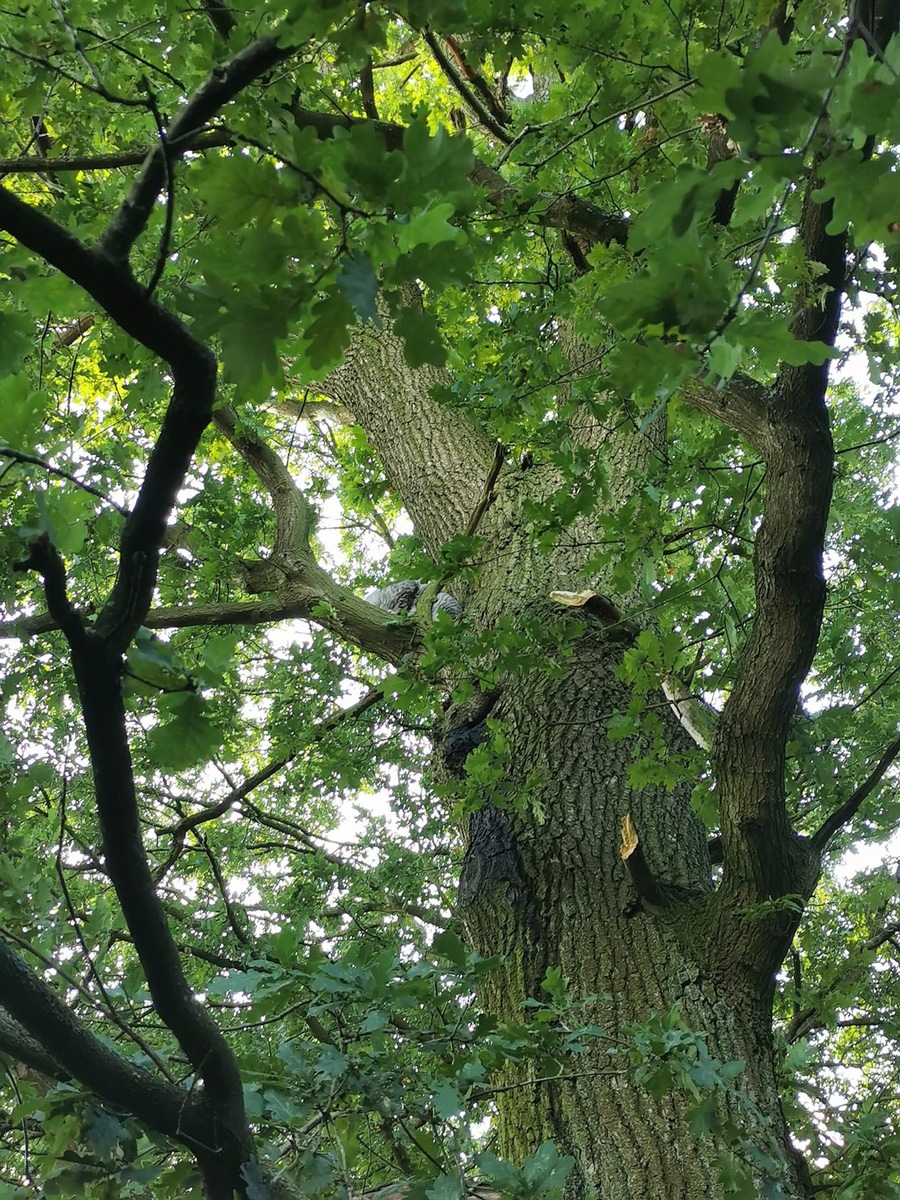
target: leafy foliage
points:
(572, 192)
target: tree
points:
(567, 315)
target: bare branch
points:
(694, 715)
(632, 855)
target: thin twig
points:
(17, 456)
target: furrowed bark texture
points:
(552, 891)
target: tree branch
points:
(490, 120)
(69, 1049)
(194, 373)
(212, 811)
(848, 810)
(22, 1047)
(806, 1020)
(294, 516)
(314, 410)
(339, 611)
(97, 674)
(34, 164)
(632, 855)
(695, 716)
(224, 82)
(741, 405)
(553, 212)
(17, 456)
(763, 859)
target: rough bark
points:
(544, 884)
(571, 905)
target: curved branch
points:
(294, 516)
(742, 405)
(224, 82)
(70, 1050)
(851, 806)
(97, 673)
(763, 859)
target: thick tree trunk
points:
(543, 883)
(554, 893)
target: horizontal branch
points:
(31, 164)
(565, 212)
(741, 404)
(363, 625)
(314, 410)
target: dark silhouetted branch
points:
(223, 84)
(851, 806)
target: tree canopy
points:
(585, 318)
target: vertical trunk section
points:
(543, 884)
(554, 893)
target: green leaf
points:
(422, 344)
(445, 1187)
(430, 227)
(189, 737)
(17, 336)
(22, 414)
(447, 1102)
(359, 284)
(435, 165)
(239, 189)
(328, 335)
(449, 945)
